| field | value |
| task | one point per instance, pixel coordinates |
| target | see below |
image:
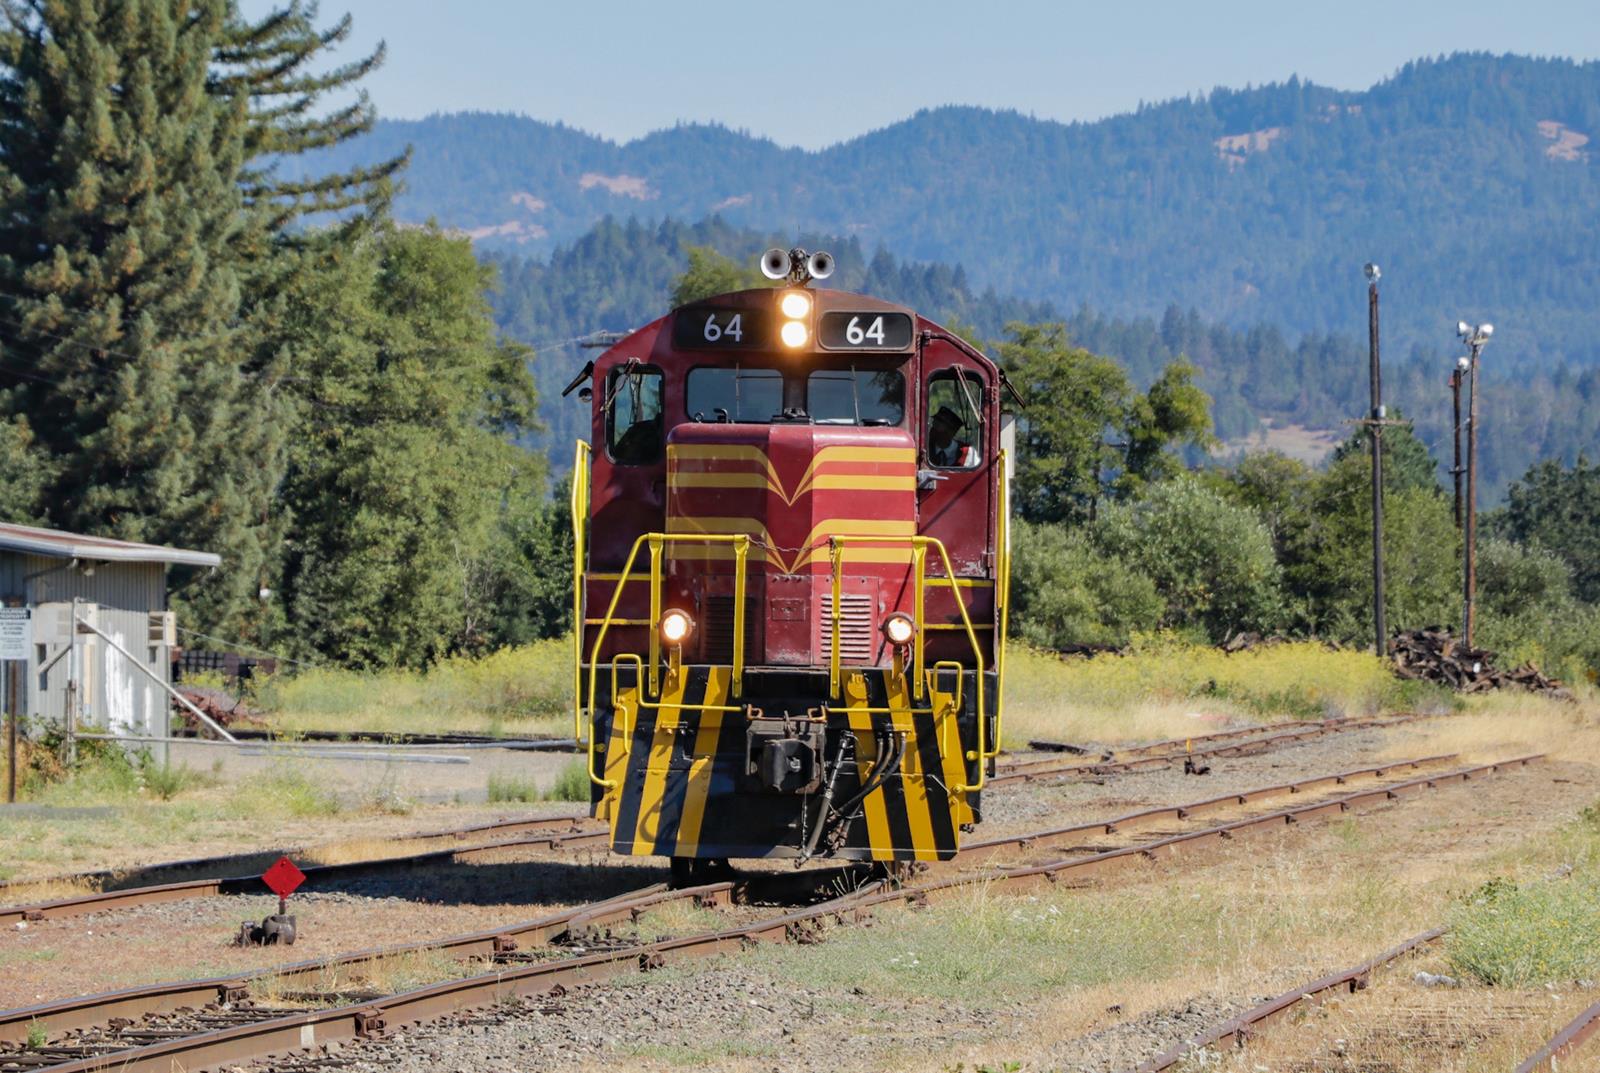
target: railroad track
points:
(281, 1032)
(577, 831)
(1237, 1031)
(1580, 1030)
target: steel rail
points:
(989, 847)
(498, 944)
(1047, 746)
(77, 1013)
(1238, 1030)
(305, 1030)
(1577, 1032)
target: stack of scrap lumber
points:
(1433, 655)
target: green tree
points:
(1077, 401)
(710, 273)
(122, 228)
(1407, 462)
(279, 63)
(1558, 508)
(1327, 552)
(1173, 411)
(405, 476)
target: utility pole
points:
(1375, 421)
(1475, 338)
(1455, 397)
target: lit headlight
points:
(793, 333)
(899, 629)
(676, 626)
(795, 304)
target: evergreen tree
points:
(122, 226)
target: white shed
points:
(89, 618)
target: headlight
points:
(676, 626)
(899, 629)
(795, 304)
(793, 333)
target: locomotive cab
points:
(791, 585)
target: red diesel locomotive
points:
(791, 563)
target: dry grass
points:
(1510, 723)
(383, 976)
(1163, 689)
(516, 692)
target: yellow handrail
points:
(579, 503)
(836, 546)
(1003, 596)
(656, 541)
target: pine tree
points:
(122, 225)
(274, 63)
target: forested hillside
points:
(620, 275)
(1471, 179)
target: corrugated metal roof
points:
(59, 545)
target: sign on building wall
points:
(16, 632)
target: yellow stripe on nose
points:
(705, 751)
(880, 840)
(647, 828)
(914, 790)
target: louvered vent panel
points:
(855, 628)
(719, 630)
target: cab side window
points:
(633, 415)
(953, 438)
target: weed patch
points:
(1506, 935)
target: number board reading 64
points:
(719, 329)
(843, 330)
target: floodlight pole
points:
(1455, 470)
(1375, 431)
(1470, 601)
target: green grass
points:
(571, 784)
(505, 788)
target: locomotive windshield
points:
(853, 397)
(746, 395)
(847, 396)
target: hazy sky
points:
(815, 73)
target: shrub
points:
(1211, 561)
(1065, 591)
(166, 781)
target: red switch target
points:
(283, 877)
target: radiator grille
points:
(855, 628)
(719, 630)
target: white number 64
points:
(855, 336)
